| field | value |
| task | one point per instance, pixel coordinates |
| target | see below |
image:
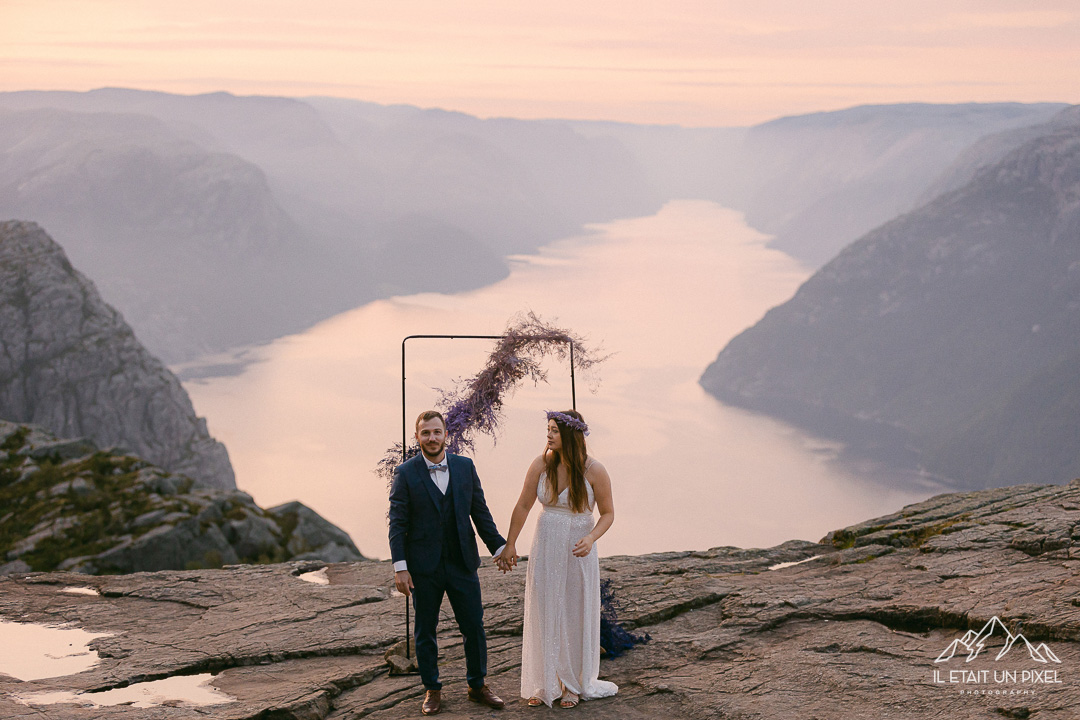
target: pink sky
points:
(690, 62)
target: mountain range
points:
(214, 221)
(940, 340)
(947, 339)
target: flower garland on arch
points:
(474, 406)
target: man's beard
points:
(433, 455)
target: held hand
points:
(403, 583)
(583, 547)
(507, 559)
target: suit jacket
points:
(416, 530)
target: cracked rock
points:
(853, 634)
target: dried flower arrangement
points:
(474, 406)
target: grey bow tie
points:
(433, 468)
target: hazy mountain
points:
(990, 150)
(215, 220)
(686, 163)
(190, 244)
(820, 181)
(949, 337)
(514, 184)
(69, 363)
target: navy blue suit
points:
(433, 533)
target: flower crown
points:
(563, 418)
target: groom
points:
(433, 547)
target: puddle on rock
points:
(316, 576)
(184, 689)
(35, 652)
(779, 566)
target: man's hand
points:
(403, 583)
(507, 559)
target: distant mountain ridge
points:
(947, 339)
(844, 173)
(233, 220)
(191, 244)
(820, 181)
(69, 363)
(213, 220)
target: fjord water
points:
(312, 414)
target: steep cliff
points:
(947, 338)
(69, 363)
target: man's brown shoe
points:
(432, 702)
(487, 697)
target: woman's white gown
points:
(561, 635)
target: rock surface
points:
(66, 505)
(947, 339)
(846, 628)
(69, 363)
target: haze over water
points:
(312, 416)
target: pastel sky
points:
(689, 62)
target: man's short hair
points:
(429, 415)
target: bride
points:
(560, 655)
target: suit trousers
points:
(462, 587)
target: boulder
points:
(107, 512)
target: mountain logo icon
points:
(973, 642)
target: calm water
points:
(310, 418)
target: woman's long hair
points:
(573, 455)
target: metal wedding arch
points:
(405, 422)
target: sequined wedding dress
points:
(561, 635)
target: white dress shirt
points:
(441, 478)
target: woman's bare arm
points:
(521, 511)
(601, 485)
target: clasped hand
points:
(507, 559)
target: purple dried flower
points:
(474, 405)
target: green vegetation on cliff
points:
(70, 506)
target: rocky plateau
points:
(849, 627)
